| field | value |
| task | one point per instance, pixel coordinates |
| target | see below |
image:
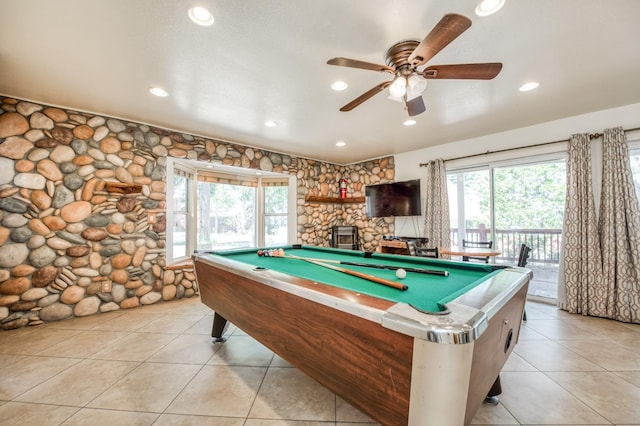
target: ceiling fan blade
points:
(415, 106)
(354, 63)
(485, 71)
(445, 31)
(365, 96)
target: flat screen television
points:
(393, 199)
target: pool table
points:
(427, 355)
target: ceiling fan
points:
(404, 58)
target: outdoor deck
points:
(543, 260)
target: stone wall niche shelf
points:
(123, 188)
(335, 200)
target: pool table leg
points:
(492, 396)
(220, 325)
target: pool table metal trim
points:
(466, 322)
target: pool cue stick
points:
(368, 277)
(373, 265)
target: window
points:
(228, 208)
(275, 229)
(226, 215)
(179, 236)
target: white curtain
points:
(581, 255)
(436, 221)
(619, 228)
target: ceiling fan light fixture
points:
(339, 86)
(201, 16)
(398, 87)
(340, 144)
(488, 7)
(417, 84)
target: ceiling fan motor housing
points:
(397, 56)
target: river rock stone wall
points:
(75, 193)
(315, 219)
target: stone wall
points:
(75, 192)
(316, 219)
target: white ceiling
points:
(266, 60)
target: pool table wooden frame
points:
(397, 365)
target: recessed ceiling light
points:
(529, 86)
(270, 123)
(201, 16)
(488, 7)
(341, 143)
(158, 91)
(409, 122)
(339, 86)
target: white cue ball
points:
(401, 273)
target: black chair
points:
(482, 244)
(414, 243)
(427, 252)
(411, 247)
(523, 256)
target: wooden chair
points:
(427, 252)
(483, 244)
(523, 256)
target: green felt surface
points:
(425, 292)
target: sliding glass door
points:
(528, 209)
(511, 204)
(470, 205)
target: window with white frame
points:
(227, 208)
(226, 211)
(275, 211)
(180, 191)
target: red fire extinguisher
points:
(343, 188)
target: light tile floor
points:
(157, 365)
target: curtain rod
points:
(591, 136)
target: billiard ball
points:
(401, 273)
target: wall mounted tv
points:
(393, 199)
